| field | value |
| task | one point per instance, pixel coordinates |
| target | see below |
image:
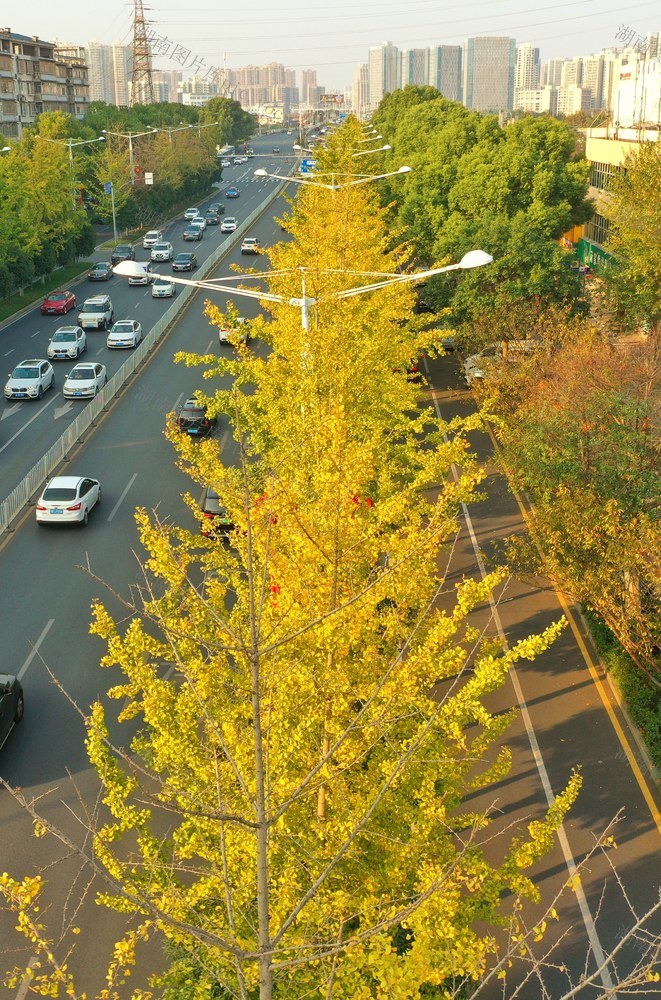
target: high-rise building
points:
(593, 79)
(166, 85)
(489, 64)
(572, 98)
(360, 91)
(100, 62)
(572, 72)
(74, 57)
(551, 75)
(414, 67)
(122, 67)
(527, 68)
(308, 80)
(543, 100)
(383, 70)
(445, 70)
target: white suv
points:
(151, 238)
(162, 251)
(96, 313)
(30, 379)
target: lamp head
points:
(475, 258)
(405, 170)
(129, 269)
(260, 172)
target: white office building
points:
(384, 72)
(360, 92)
(415, 67)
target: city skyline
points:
(335, 42)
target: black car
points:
(184, 262)
(276, 149)
(212, 218)
(193, 420)
(232, 193)
(100, 272)
(216, 521)
(11, 704)
(193, 233)
(217, 207)
(123, 251)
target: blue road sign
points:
(107, 187)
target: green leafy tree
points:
(633, 281)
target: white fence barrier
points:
(39, 473)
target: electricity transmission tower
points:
(142, 85)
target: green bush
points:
(641, 697)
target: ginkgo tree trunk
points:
(292, 817)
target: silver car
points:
(163, 288)
(84, 380)
(67, 342)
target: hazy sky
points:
(334, 37)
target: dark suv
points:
(192, 419)
(184, 262)
(123, 251)
(11, 704)
(216, 521)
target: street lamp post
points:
(332, 186)
(70, 144)
(130, 136)
(474, 258)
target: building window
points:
(597, 229)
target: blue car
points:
(232, 193)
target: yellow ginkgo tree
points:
(292, 818)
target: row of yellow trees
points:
(320, 841)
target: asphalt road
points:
(568, 716)
(28, 428)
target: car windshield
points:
(59, 493)
(122, 327)
(94, 307)
(99, 267)
(122, 249)
(82, 374)
(154, 234)
(162, 246)
(64, 335)
(162, 281)
(26, 373)
(183, 257)
(56, 297)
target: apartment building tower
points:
(383, 71)
(445, 70)
(489, 65)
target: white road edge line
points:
(35, 649)
(124, 492)
(7, 353)
(572, 868)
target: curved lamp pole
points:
(333, 186)
(130, 136)
(474, 258)
(70, 144)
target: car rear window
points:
(59, 493)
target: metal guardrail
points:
(58, 452)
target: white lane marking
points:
(572, 868)
(35, 334)
(209, 346)
(27, 978)
(177, 401)
(124, 492)
(7, 353)
(35, 649)
(27, 423)
(8, 410)
(100, 351)
(59, 411)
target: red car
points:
(58, 303)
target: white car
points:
(250, 245)
(68, 499)
(96, 313)
(191, 213)
(225, 163)
(162, 251)
(239, 160)
(228, 225)
(163, 288)
(67, 342)
(200, 221)
(151, 238)
(228, 333)
(125, 333)
(84, 380)
(145, 277)
(30, 379)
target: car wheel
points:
(41, 392)
(98, 498)
(86, 517)
(20, 709)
